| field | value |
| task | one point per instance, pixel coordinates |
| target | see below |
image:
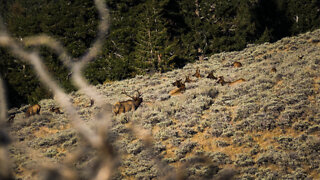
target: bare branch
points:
(3, 103)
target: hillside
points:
(267, 127)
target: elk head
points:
(221, 80)
(178, 83)
(197, 74)
(188, 80)
(211, 76)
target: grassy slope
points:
(265, 127)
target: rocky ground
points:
(266, 126)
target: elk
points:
(181, 87)
(129, 105)
(179, 84)
(237, 81)
(188, 80)
(56, 110)
(221, 80)
(273, 70)
(32, 110)
(197, 74)
(211, 76)
(237, 64)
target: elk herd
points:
(220, 79)
(135, 101)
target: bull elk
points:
(211, 76)
(129, 105)
(197, 74)
(32, 110)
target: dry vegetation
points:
(266, 127)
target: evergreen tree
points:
(153, 45)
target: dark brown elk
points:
(221, 80)
(237, 64)
(178, 83)
(32, 110)
(129, 105)
(188, 80)
(211, 76)
(56, 110)
(197, 74)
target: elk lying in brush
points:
(188, 80)
(211, 76)
(236, 82)
(273, 70)
(237, 64)
(181, 87)
(197, 74)
(223, 82)
(126, 106)
(32, 110)
(56, 110)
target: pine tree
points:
(153, 45)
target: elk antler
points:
(125, 93)
(139, 94)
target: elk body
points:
(129, 105)
(237, 81)
(237, 64)
(223, 82)
(181, 87)
(32, 110)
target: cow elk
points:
(236, 82)
(223, 82)
(237, 64)
(197, 74)
(273, 70)
(188, 80)
(180, 87)
(211, 76)
(56, 110)
(32, 110)
(129, 105)
(179, 84)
